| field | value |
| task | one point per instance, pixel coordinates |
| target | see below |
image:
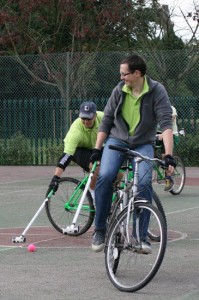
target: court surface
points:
(65, 267)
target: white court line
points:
(19, 227)
(24, 180)
(191, 186)
(5, 233)
(182, 237)
(8, 248)
(182, 210)
(33, 189)
(38, 247)
(186, 186)
(19, 191)
(21, 245)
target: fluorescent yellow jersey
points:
(131, 107)
(80, 136)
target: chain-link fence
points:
(40, 97)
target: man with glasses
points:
(130, 120)
(79, 142)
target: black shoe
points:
(98, 241)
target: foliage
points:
(52, 26)
(173, 68)
(52, 154)
(59, 48)
(36, 26)
(17, 151)
(188, 150)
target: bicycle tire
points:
(60, 216)
(178, 176)
(134, 270)
(157, 203)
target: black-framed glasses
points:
(125, 74)
(86, 119)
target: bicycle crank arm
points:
(19, 239)
(71, 229)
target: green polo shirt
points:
(131, 107)
(80, 136)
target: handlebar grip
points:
(118, 148)
(163, 165)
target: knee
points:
(105, 178)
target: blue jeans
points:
(110, 165)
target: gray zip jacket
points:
(155, 109)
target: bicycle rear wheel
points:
(178, 176)
(61, 207)
(127, 268)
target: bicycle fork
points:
(131, 204)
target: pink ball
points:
(31, 248)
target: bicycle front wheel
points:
(127, 268)
(61, 207)
(152, 234)
(178, 176)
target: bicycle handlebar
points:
(118, 148)
(133, 153)
(180, 132)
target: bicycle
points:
(127, 268)
(63, 209)
(73, 203)
(179, 174)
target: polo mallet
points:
(21, 238)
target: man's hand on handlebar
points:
(170, 163)
(96, 155)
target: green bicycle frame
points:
(73, 202)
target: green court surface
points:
(65, 267)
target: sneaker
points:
(169, 184)
(98, 241)
(143, 248)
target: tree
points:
(52, 26)
(82, 29)
(193, 15)
(35, 26)
(43, 27)
(172, 67)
